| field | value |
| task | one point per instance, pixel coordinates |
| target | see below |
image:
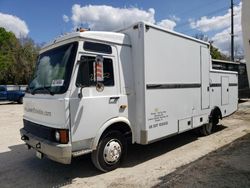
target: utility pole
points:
(232, 30)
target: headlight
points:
(62, 136)
(57, 136)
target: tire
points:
(110, 151)
(215, 116)
(206, 129)
(20, 100)
(215, 120)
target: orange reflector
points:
(64, 137)
(82, 30)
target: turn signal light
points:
(64, 136)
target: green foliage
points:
(17, 58)
(216, 54)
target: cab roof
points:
(106, 37)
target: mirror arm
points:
(80, 94)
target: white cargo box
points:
(172, 81)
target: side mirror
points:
(83, 75)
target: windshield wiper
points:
(42, 88)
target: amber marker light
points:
(64, 136)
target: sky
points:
(44, 20)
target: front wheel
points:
(110, 151)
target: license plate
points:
(39, 155)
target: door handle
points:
(113, 100)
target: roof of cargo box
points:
(107, 37)
(224, 61)
(147, 24)
(117, 37)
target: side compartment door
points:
(224, 90)
(205, 99)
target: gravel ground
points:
(186, 160)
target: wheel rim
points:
(112, 151)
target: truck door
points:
(205, 100)
(224, 90)
(95, 102)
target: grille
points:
(40, 131)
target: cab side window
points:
(97, 47)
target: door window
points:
(86, 73)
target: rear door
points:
(205, 56)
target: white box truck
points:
(94, 92)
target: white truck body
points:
(161, 84)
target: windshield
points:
(53, 70)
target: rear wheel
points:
(110, 151)
(215, 119)
(206, 129)
(215, 116)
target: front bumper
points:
(61, 153)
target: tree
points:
(25, 60)
(17, 58)
(8, 46)
(215, 53)
(201, 36)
